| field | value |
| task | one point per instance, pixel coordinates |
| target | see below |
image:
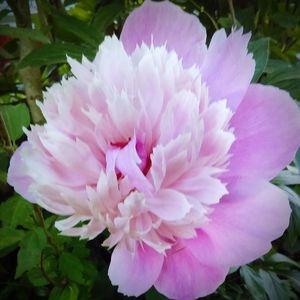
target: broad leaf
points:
(56, 53)
(70, 292)
(15, 117)
(16, 211)
(9, 239)
(253, 283)
(260, 50)
(24, 33)
(273, 286)
(71, 267)
(29, 255)
(77, 28)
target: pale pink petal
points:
(243, 225)
(168, 204)
(134, 273)
(17, 176)
(163, 23)
(267, 131)
(183, 277)
(227, 68)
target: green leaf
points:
(36, 277)
(106, 15)
(71, 267)
(253, 283)
(260, 50)
(280, 258)
(29, 255)
(153, 294)
(273, 286)
(15, 117)
(70, 292)
(24, 33)
(77, 28)
(9, 239)
(293, 196)
(55, 53)
(285, 20)
(16, 211)
(287, 177)
(297, 159)
(55, 293)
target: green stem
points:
(232, 12)
(202, 10)
(41, 223)
(30, 76)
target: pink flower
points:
(165, 143)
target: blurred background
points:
(35, 37)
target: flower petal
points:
(17, 177)
(168, 204)
(134, 273)
(227, 68)
(184, 277)
(243, 225)
(266, 127)
(163, 23)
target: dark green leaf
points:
(287, 177)
(106, 15)
(77, 28)
(70, 292)
(55, 293)
(285, 20)
(260, 50)
(24, 33)
(29, 255)
(56, 53)
(273, 286)
(297, 159)
(280, 258)
(153, 294)
(253, 283)
(71, 267)
(15, 117)
(9, 239)
(16, 211)
(36, 277)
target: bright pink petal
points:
(183, 277)
(243, 225)
(267, 131)
(134, 273)
(227, 68)
(163, 23)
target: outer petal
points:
(227, 68)
(267, 131)
(134, 273)
(243, 225)
(16, 177)
(163, 23)
(183, 277)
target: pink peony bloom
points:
(166, 144)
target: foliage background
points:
(38, 263)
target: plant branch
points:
(30, 76)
